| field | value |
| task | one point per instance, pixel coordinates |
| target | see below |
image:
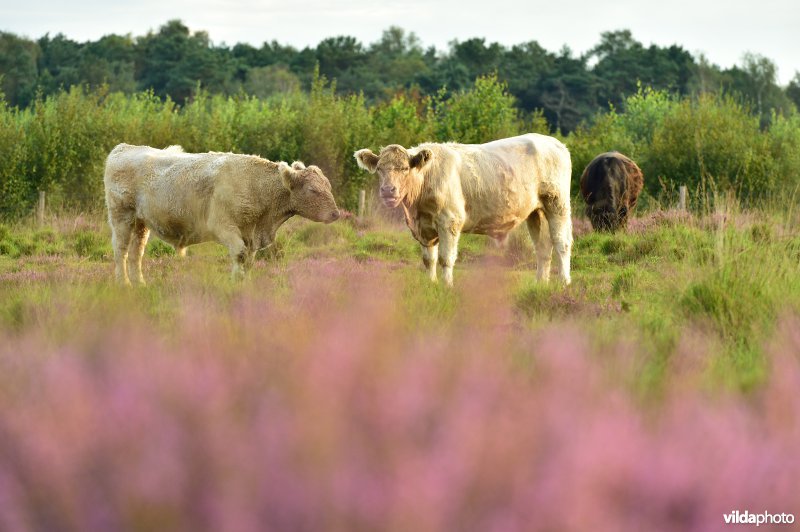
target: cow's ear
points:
(288, 174)
(298, 165)
(366, 160)
(422, 158)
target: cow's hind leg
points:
(139, 237)
(430, 255)
(543, 246)
(559, 218)
(121, 223)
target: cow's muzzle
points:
(390, 196)
(390, 201)
(335, 215)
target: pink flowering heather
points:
(320, 408)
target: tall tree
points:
(793, 90)
(174, 60)
(525, 67)
(622, 63)
(59, 63)
(342, 58)
(569, 94)
(18, 73)
(395, 62)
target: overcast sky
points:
(722, 30)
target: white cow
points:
(449, 189)
(188, 198)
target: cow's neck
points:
(278, 207)
(413, 190)
(411, 214)
(409, 210)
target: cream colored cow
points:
(449, 189)
(188, 198)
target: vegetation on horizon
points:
(568, 89)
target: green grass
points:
(652, 285)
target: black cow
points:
(610, 185)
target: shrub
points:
(710, 143)
(483, 113)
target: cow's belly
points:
(178, 229)
(495, 226)
(173, 232)
(496, 214)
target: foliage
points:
(486, 112)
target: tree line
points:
(568, 89)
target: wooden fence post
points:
(682, 198)
(362, 197)
(40, 209)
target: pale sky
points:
(722, 30)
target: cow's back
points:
(167, 189)
(525, 162)
(128, 168)
(501, 182)
(611, 177)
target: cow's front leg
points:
(232, 239)
(249, 253)
(449, 233)
(430, 255)
(250, 259)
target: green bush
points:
(712, 143)
(484, 113)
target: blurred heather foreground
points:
(339, 391)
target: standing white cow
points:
(447, 189)
(188, 198)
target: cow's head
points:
(398, 169)
(310, 193)
(605, 205)
(610, 185)
(605, 217)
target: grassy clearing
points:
(730, 278)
